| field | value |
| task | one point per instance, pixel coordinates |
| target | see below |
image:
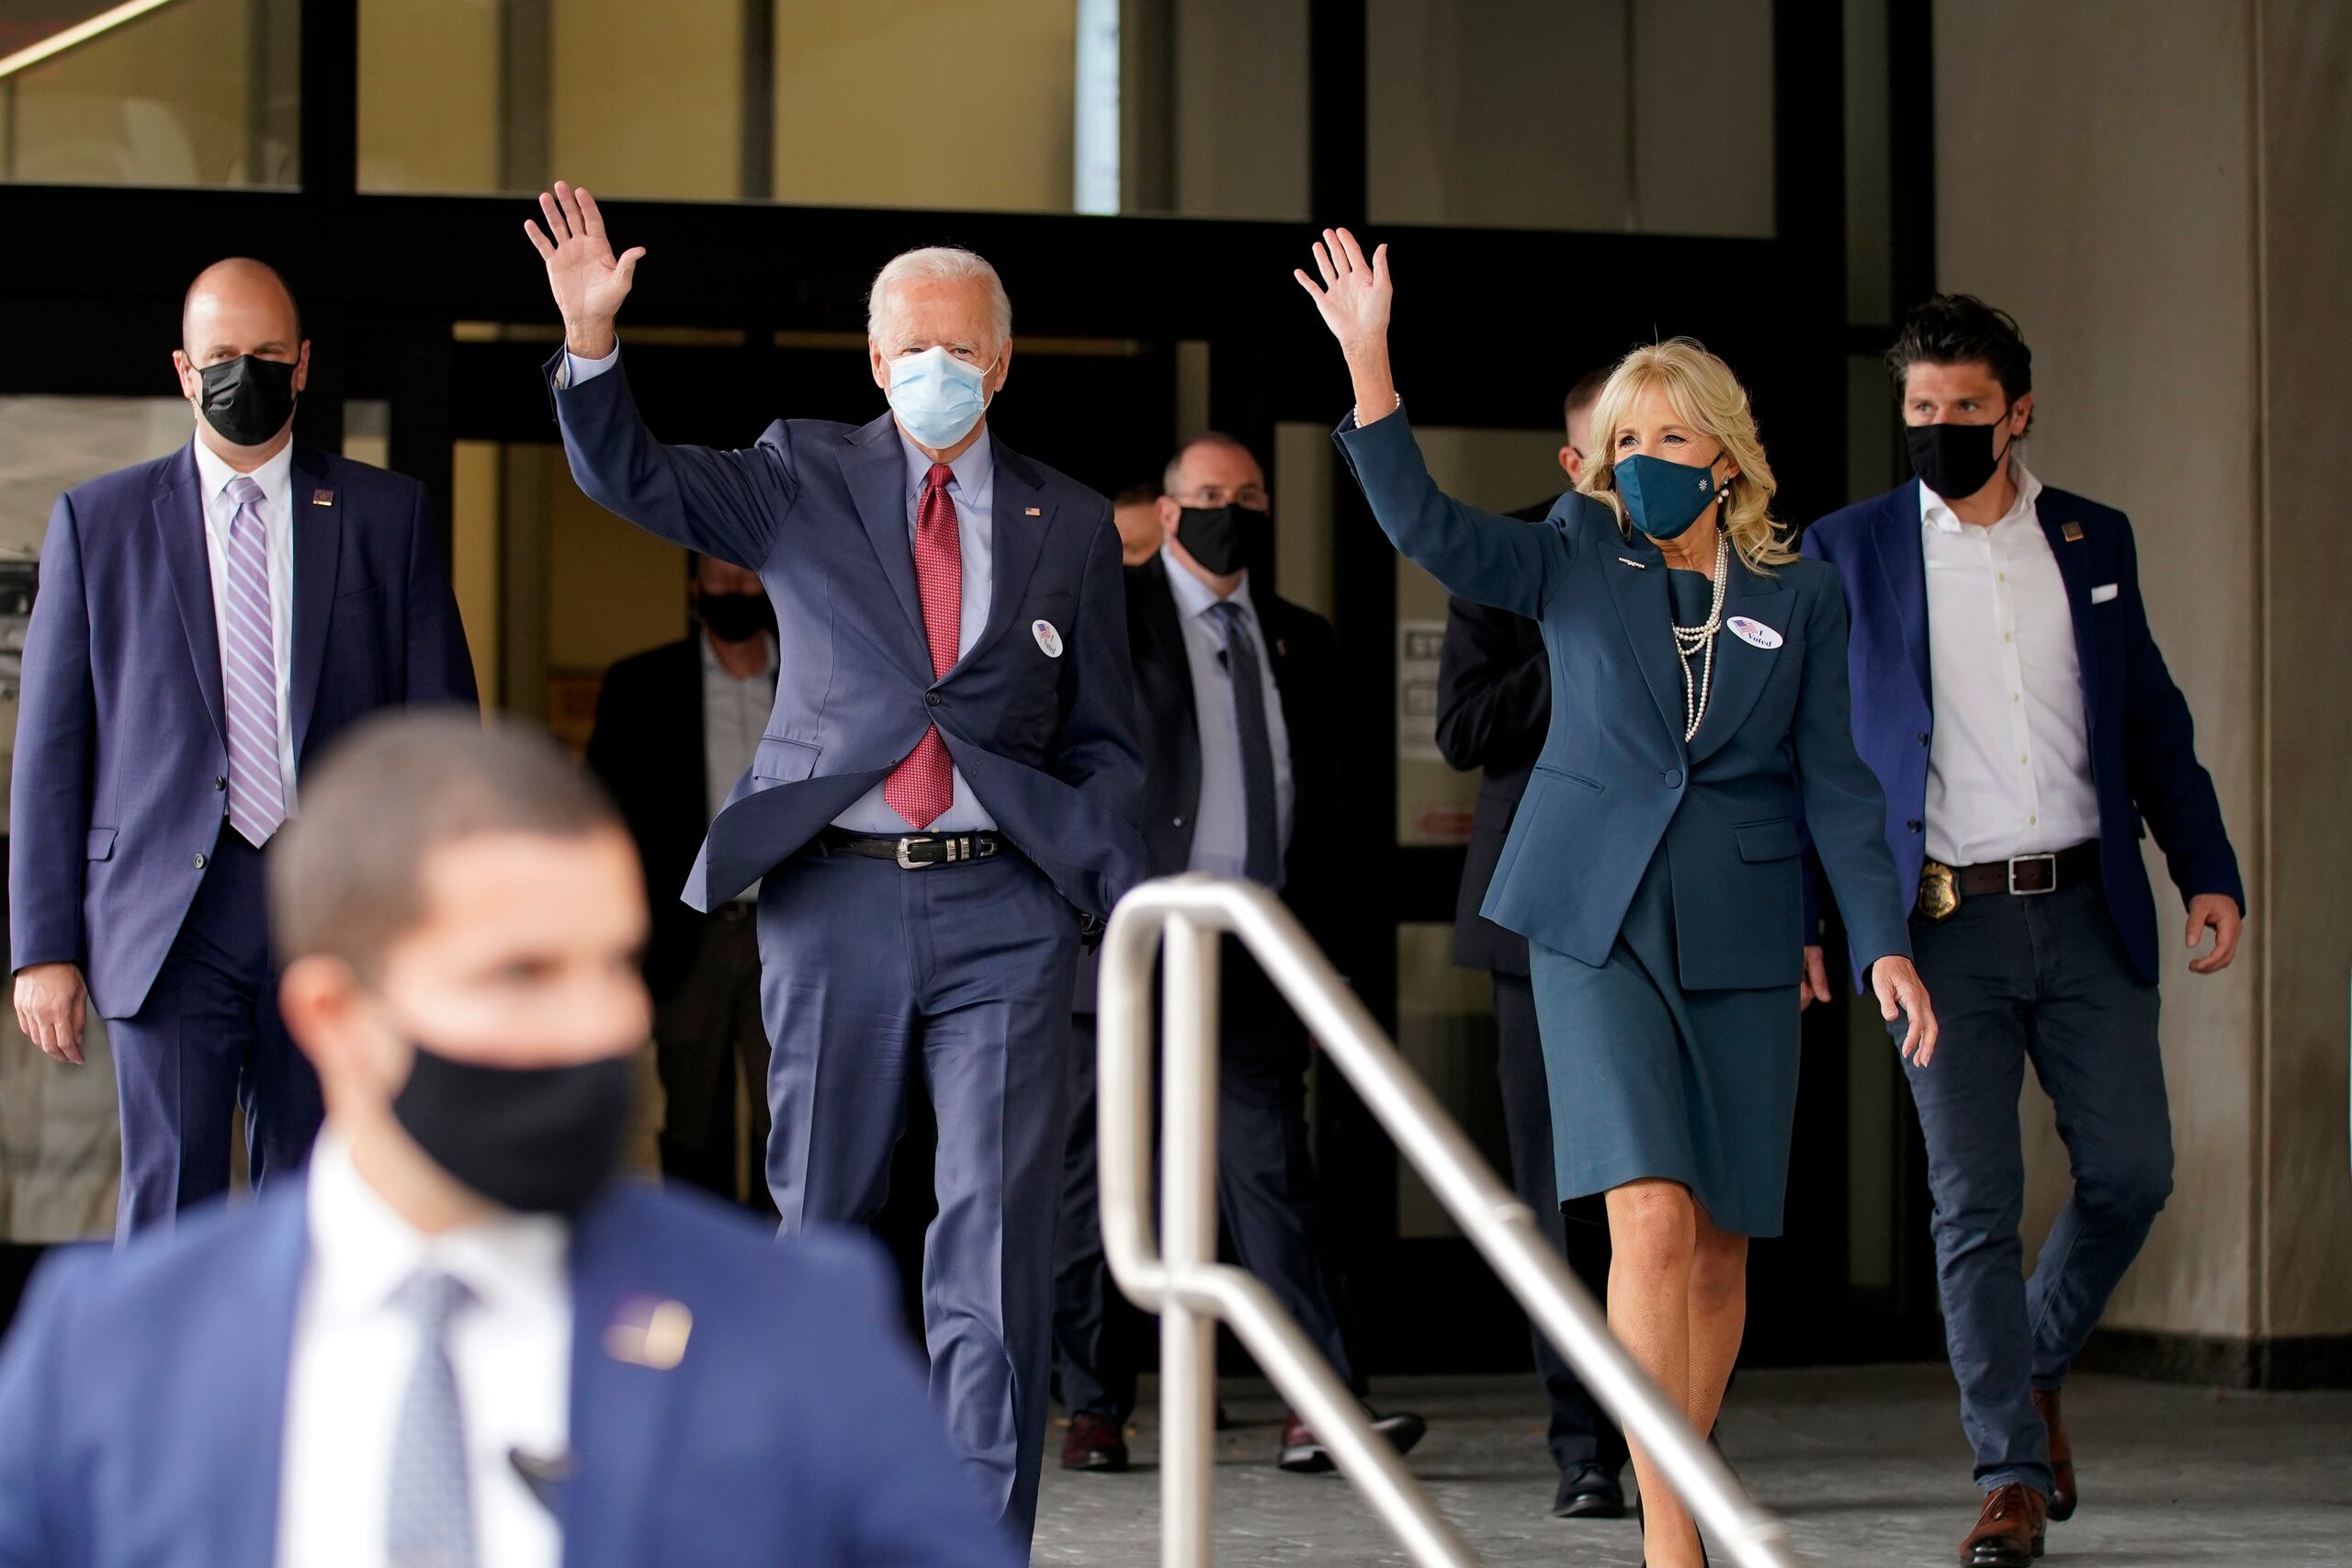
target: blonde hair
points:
(1707, 399)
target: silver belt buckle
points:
(905, 845)
(2016, 861)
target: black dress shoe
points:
(1094, 1443)
(1590, 1492)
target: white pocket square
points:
(2103, 592)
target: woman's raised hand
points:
(1354, 294)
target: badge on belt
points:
(1939, 891)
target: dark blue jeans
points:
(2046, 979)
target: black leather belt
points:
(915, 851)
(2029, 874)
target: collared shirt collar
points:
(275, 477)
(362, 1250)
(974, 468)
(1195, 598)
(1935, 512)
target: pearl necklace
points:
(1689, 640)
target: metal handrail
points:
(1178, 1276)
(66, 39)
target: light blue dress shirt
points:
(1221, 822)
(974, 492)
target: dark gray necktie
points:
(428, 1514)
(1263, 861)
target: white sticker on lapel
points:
(1047, 639)
(1754, 633)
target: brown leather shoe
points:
(1302, 1453)
(2008, 1532)
(2062, 1455)
(1094, 1443)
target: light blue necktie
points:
(428, 1514)
(1262, 853)
(249, 674)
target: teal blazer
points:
(1615, 780)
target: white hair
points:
(938, 263)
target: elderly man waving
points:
(947, 791)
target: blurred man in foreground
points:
(458, 1341)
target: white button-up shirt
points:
(510, 1348)
(276, 481)
(2009, 769)
(1221, 821)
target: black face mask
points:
(1225, 539)
(734, 618)
(248, 400)
(1955, 460)
(536, 1140)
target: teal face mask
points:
(937, 397)
(1663, 499)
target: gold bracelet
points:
(1357, 412)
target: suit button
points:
(200, 862)
(932, 699)
(1176, 822)
(1674, 778)
(1913, 824)
(220, 783)
(1923, 738)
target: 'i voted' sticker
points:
(1755, 633)
(1047, 639)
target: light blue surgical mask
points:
(937, 397)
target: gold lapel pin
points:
(322, 498)
(649, 1333)
(2072, 532)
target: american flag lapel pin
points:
(322, 498)
(1032, 512)
(650, 1331)
(2073, 532)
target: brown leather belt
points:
(2029, 874)
(915, 851)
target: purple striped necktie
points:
(249, 674)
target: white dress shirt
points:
(2009, 769)
(1221, 820)
(509, 1347)
(974, 492)
(276, 481)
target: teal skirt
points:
(1648, 1079)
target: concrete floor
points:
(1867, 1464)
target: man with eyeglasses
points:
(1237, 693)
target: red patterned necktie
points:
(923, 784)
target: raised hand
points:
(588, 282)
(1353, 297)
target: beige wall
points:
(2107, 184)
(429, 94)
(2303, 1282)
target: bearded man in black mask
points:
(1236, 696)
(206, 622)
(675, 727)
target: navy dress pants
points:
(872, 975)
(1268, 1198)
(2041, 979)
(208, 1042)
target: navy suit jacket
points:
(1615, 780)
(121, 768)
(819, 510)
(795, 1429)
(2144, 751)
